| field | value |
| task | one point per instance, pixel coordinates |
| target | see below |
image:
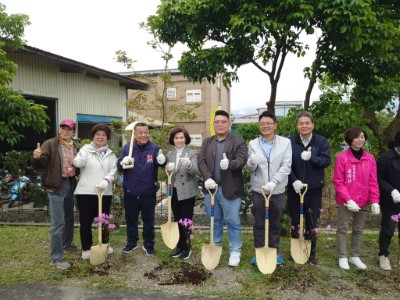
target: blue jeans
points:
(134, 205)
(228, 210)
(61, 220)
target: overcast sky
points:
(90, 31)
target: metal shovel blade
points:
(170, 234)
(210, 255)
(98, 254)
(266, 259)
(300, 250)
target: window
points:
(193, 96)
(196, 140)
(171, 93)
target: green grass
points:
(24, 258)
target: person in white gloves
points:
(389, 185)
(356, 186)
(183, 162)
(310, 157)
(98, 168)
(221, 160)
(140, 185)
(269, 161)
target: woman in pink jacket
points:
(356, 186)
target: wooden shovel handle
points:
(169, 175)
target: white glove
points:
(352, 206)
(254, 159)
(185, 161)
(127, 160)
(396, 196)
(306, 155)
(210, 184)
(375, 209)
(102, 184)
(298, 186)
(160, 158)
(170, 167)
(224, 162)
(269, 186)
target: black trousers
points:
(387, 231)
(311, 211)
(182, 209)
(88, 206)
(277, 204)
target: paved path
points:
(39, 292)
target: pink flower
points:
(321, 210)
(329, 227)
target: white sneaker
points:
(234, 259)
(355, 260)
(384, 263)
(344, 263)
(85, 254)
(110, 250)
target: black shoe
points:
(149, 250)
(129, 249)
(177, 252)
(186, 254)
(313, 260)
(72, 248)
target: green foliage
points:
(248, 131)
(15, 162)
(224, 35)
(16, 112)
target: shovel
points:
(99, 253)
(266, 256)
(131, 126)
(211, 253)
(299, 248)
(170, 230)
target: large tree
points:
(360, 47)
(223, 35)
(16, 112)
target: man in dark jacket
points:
(221, 160)
(388, 166)
(140, 187)
(55, 159)
(310, 156)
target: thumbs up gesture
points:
(185, 161)
(37, 152)
(306, 155)
(224, 162)
(160, 158)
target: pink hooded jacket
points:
(356, 179)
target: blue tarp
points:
(96, 119)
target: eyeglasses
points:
(221, 122)
(267, 124)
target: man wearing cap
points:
(54, 158)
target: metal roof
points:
(72, 66)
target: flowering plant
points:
(187, 225)
(106, 225)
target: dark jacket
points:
(388, 165)
(50, 165)
(142, 179)
(231, 179)
(310, 172)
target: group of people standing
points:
(277, 165)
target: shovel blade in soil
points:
(170, 234)
(210, 255)
(266, 259)
(300, 250)
(98, 254)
